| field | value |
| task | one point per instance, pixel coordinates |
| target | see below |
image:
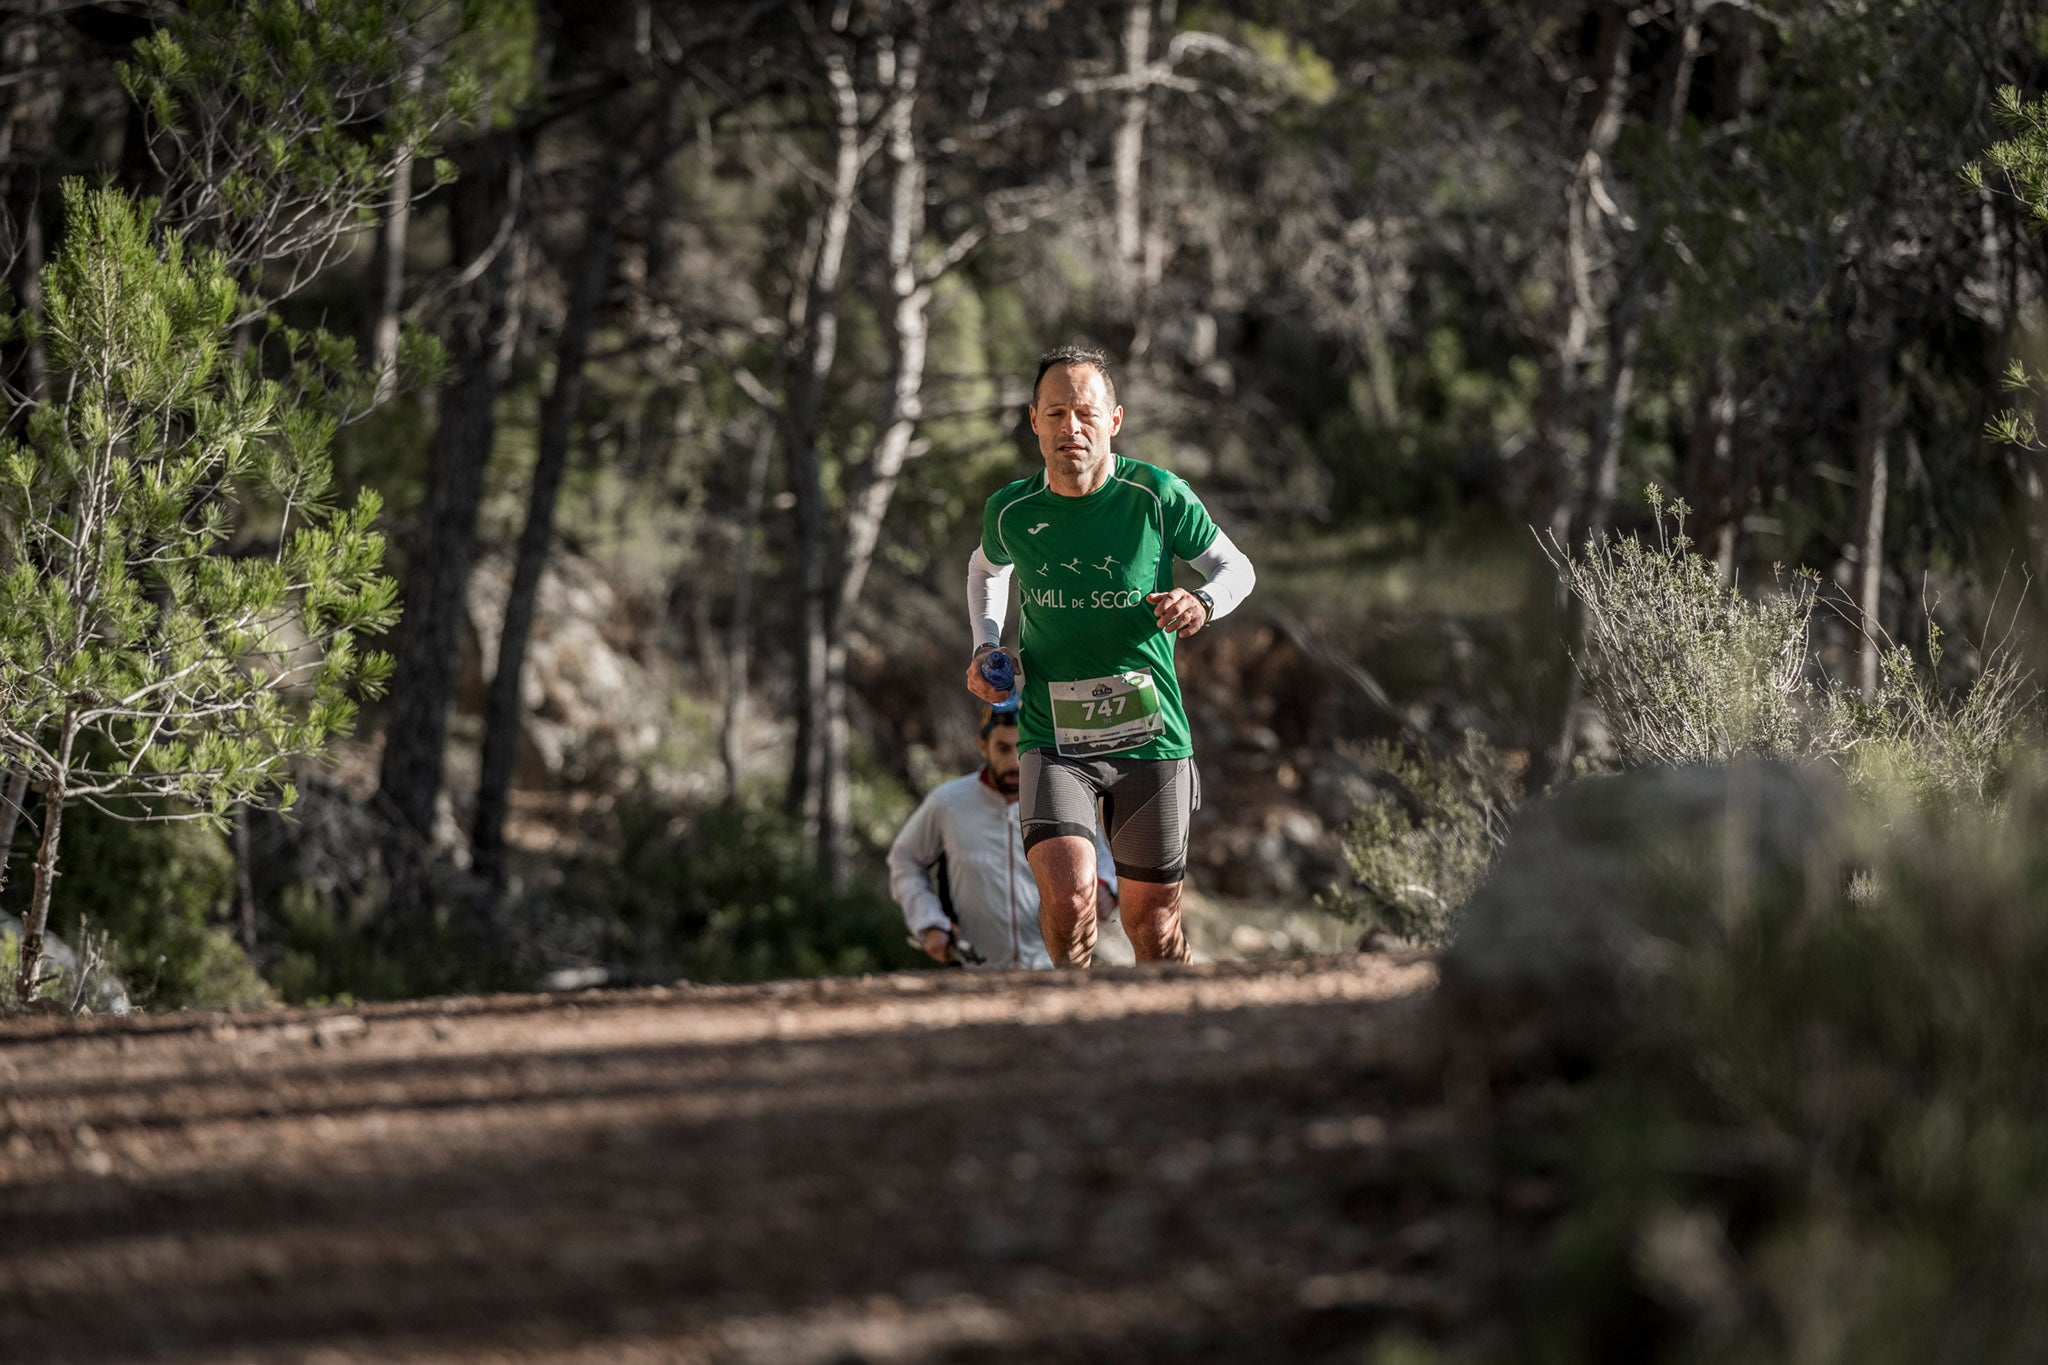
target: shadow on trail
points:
(1211, 1163)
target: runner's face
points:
(999, 751)
(1074, 420)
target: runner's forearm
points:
(1229, 573)
(988, 597)
(917, 845)
(910, 887)
(921, 908)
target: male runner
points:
(958, 867)
(1091, 542)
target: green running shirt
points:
(1083, 567)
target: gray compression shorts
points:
(1145, 803)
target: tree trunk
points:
(557, 425)
(387, 269)
(23, 365)
(835, 795)
(27, 127)
(1873, 478)
(1610, 420)
(1625, 320)
(731, 733)
(1594, 514)
(15, 793)
(806, 792)
(1559, 372)
(34, 925)
(1710, 478)
(1624, 335)
(1127, 179)
(868, 508)
(1631, 304)
(245, 881)
(1717, 489)
(483, 213)
(27, 130)
(1558, 379)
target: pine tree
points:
(2018, 167)
(143, 668)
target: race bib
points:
(1105, 715)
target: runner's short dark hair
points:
(1075, 355)
(992, 716)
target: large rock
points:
(1605, 884)
(591, 709)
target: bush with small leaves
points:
(1686, 669)
(1683, 667)
(163, 891)
(1418, 856)
(727, 895)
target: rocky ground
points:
(1247, 1161)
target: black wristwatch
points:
(1208, 604)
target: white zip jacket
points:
(964, 843)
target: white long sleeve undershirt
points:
(1227, 569)
(1229, 573)
(988, 597)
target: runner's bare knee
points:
(1152, 921)
(1065, 867)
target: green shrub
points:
(322, 882)
(333, 947)
(162, 891)
(1684, 668)
(1941, 746)
(1418, 857)
(729, 894)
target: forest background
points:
(687, 340)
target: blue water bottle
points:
(1001, 674)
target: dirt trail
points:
(1197, 1164)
